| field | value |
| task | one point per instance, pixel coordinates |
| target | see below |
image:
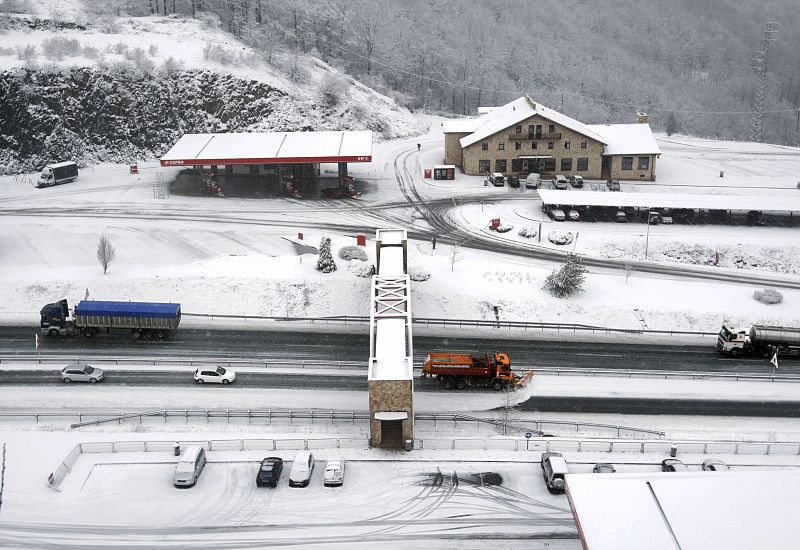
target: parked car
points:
(666, 216)
(613, 185)
(754, 217)
(497, 179)
(556, 214)
(620, 216)
(269, 472)
(604, 468)
(576, 181)
(513, 181)
(302, 466)
(573, 215)
(715, 465)
(533, 181)
(560, 181)
(79, 372)
(654, 217)
(189, 467)
(334, 473)
(219, 375)
(673, 465)
(554, 468)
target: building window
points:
(485, 146)
(500, 165)
(644, 163)
(627, 163)
(583, 144)
(566, 165)
(517, 145)
(502, 146)
(534, 145)
(518, 129)
(484, 166)
(567, 144)
(551, 144)
(229, 169)
(583, 164)
(531, 129)
(551, 129)
(516, 165)
(550, 165)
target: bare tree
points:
(105, 253)
(628, 267)
(455, 255)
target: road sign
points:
(528, 435)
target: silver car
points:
(78, 372)
(334, 473)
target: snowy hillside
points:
(127, 89)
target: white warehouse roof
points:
(627, 139)
(737, 510)
(782, 203)
(270, 148)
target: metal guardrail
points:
(523, 425)
(484, 323)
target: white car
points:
(560, 181)
(78, 372)
(334, 473)
(218, 375)
(302, 466)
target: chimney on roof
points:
(641, 117)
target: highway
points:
(335, 347)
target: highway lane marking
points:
(600, 354)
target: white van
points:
(533, 181)
(189, 466)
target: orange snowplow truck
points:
(459, 370)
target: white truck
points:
(54, 174)
(758, 340)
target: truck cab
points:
(54, 318)
(503, 365)
(732, 341)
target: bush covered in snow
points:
(417, 274)
(563, 282)
(559, 237)
(503, 228)
(353, 253)
(527, 232)
(768, 296)
(361, 269)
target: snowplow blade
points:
(522, 380)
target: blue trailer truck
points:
(144, 319)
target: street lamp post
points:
(647, 238)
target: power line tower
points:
(757, 121)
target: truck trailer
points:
(54, 174)
(759, 340)
(143, 319)
(459, 370)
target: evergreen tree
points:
(325, 262)
(569, 279)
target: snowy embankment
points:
(137, 85)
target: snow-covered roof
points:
(734, 510)
(518, 110)
(270, 148)
(780, 203)
(484, 110)
(627, 139)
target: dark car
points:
(613, 185)
(754, 217)
(513, 181)
(269, 472)
(604, 468)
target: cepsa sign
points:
(172, 162)
(365, 159)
